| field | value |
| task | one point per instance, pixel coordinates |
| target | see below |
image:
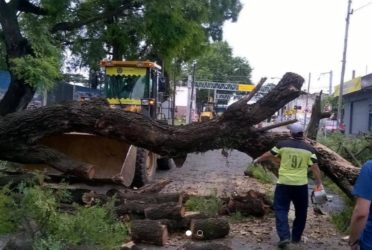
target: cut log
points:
(182, 224)
(131, 207)
(252, 203)
(205, 246)
(92, 197)
(174, 226)
(138, 208)
(149, 231)
(210, 228)
(165, 211)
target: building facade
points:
(357, 100)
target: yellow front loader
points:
(131, 86)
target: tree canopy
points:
(218, 64)
(35, 36)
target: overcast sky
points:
(302, 36)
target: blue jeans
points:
(283, 196)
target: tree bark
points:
(140, 197)
(208, 229)
(253, 203)
(149, 231)
(316, 116)
(21, 133)
(165, 211)
(138, 208)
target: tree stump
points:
(210, 228)
(149, 231)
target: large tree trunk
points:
(21, 132)
(316, 116)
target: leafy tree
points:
(36, 33)
(218, 64)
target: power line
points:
(361, 7)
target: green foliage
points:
(7, 212)
(48, 243)
(217, 63)
(260, 173)
(37, 71)
(342, 219)
(329, 101)
(91, 225)
(94, 225)
(155, 30)
(210, 205)
(41, 69)
(91, 30)
(358, 146)
(3, 65)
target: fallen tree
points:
(21, 132)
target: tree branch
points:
(28, 7)
(255, 90)
(69, 26)
(276, 125)
(40, 154)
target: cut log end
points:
(149, 231)
(210, 228)
(91, 172)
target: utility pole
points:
(174, 97)
(330, 82)
(339, 113)
(307, 100)
(192, 91)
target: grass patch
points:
(209, 205)
(7, 211)
(258, 172)
(236, 217)
(342, 219)
(358, 146)
(96, 225)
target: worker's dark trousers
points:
(283, 196)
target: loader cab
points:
(132, 85)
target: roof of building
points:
(354, 85)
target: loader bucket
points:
(112, 159)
